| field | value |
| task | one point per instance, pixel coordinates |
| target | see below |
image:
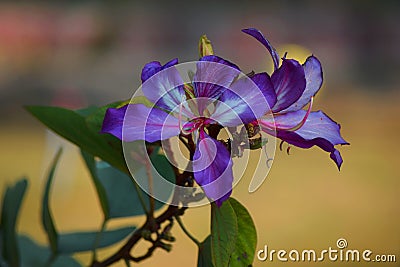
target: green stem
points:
(97, 240)
(151, 199)
(127, 262)
(141, 199)
(178, 219)
(51, 259)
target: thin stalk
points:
(178, 219)
(184, 142)
(97, 240)
(151, 199)
(141, 199)
(127, 262)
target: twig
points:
(178, 219)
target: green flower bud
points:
(205, 47)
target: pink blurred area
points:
(99, 48)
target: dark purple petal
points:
(289, 84)
(245, 101)
(319, 130)
(138, 122)
(220, 60)
(153, 67)
(212, 167)
(213, 75)
(263, 81)
(165, 88)
(313, 74)
(260, 37)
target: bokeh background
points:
(73, 54)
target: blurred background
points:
(74, 54)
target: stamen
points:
(191, 127)
(180, 118)
(301, 123)
(281, 145)
(189, 91)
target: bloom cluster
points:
(218, 96)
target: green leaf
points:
(35, 255)
(246, 241)
(47, 219)
(204, 258)
(85, 241)
(117, 191)
(83, 129)
(224, 231)
(84, 112)
(101, 191)
(11, 204)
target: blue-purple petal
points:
(213, 75)
(263, 81)
(246, 100)
(138, 122)
(289, 84)
(284, 121)
(313, 74)
(113, 121)
(318, 130)
(212, 167)
(153, 67)
(260, 37)
(165, 88)
(318, 124)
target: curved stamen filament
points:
(180, 118)
(269, 126)
(191, 127)
(301, 123)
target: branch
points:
(152, 225)
(149, 226)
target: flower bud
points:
(205, 47)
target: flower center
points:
(195, 124)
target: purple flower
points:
(292, 87)
(184, 108)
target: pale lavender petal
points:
(313, 74)
(246, 100)
(138, 122)
(212, 167)
(165, 88)
(289, 84)
(319, 130)
(318, 124)
(213, 75)
(260, 37)
(283, 121)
